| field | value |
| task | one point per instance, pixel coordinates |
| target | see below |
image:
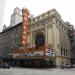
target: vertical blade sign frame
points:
(25, 14)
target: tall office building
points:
(16, 17)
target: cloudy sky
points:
(2, 6)
(66, 8)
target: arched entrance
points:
(39, 40)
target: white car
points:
(67, 66)
(73, 66)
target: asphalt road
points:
(24, 71)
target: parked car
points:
(67, 66)
(73, 65)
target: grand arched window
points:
(39, 40)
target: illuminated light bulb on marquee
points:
(25, 19)
(24, 28)
(24, 42)
(24, 37)
(25, 23)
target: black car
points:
(4, 65)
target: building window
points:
(59, 25)
(56, 21)
(66, 52)
(61, 51)
(39, 40)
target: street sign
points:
(50, 52)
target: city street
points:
(24, 71)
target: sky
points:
(36, 7)
(2, 6)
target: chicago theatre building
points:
(48, 42)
